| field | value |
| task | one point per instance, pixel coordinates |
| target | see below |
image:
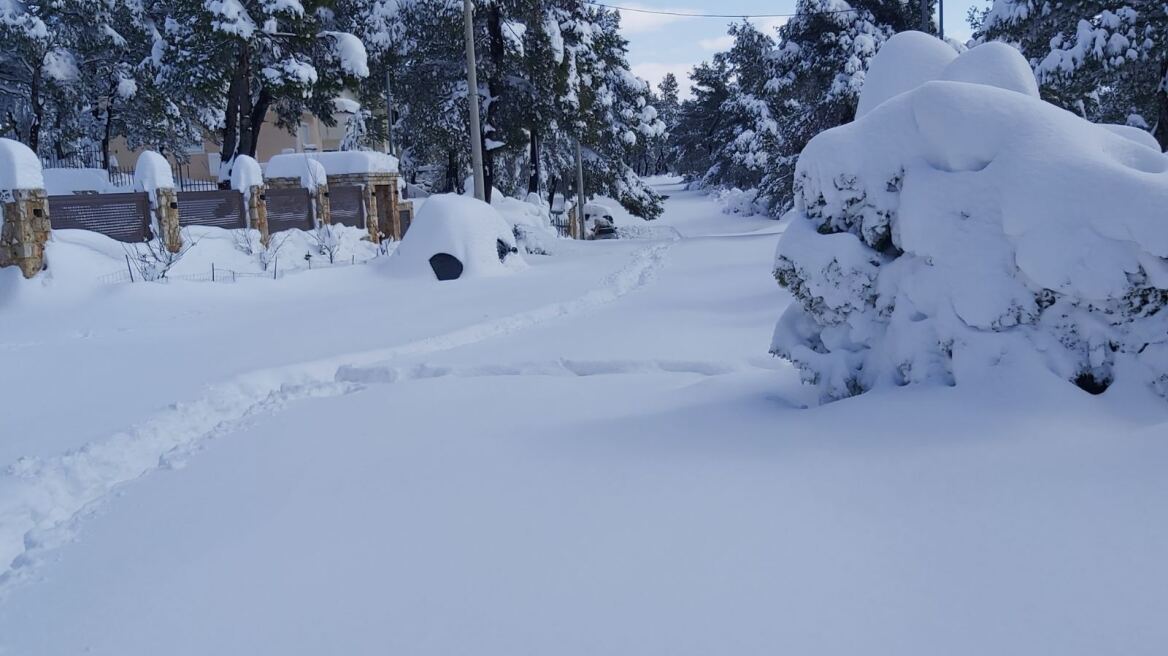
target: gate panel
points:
(347, 206)
(221, 208)
(289, 209)
(124, 217)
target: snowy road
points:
(594, 457)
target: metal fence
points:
(276, 270)
(219, 208)
(347, 206)
(289, 209)
(124, 217)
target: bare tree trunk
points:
(34, 127)
(258, 111)
(533, 177)
(1161, 130)
(495, 89)
(231, 118)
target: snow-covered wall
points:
(966, 223)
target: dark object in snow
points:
(446, 266)
(503, 249)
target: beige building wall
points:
(203, 160)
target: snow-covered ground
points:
(594, 455)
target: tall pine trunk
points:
(1161, 131)
(533, 177)
(497, 49)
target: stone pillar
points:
(26, 229)
(369, 193)
(257, 212)
(320, 205)
(166, 213)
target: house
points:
(203, 159)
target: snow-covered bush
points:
(962, 224)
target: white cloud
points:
(634, 22)
(717, 44)
(722, 43)
(768, 25)
(654, 72)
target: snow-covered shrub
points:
(960, 224)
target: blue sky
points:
(662, 44)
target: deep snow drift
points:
(963, 224)
(593, 456)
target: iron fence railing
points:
(221, 274)
(91, 158)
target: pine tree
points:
(1105, 60)
(232, 64)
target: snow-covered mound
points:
(905, 61)
(959, 225)
(994, 64)
(468, 230)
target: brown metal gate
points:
(124, 217)
(347, 206)
(222, 208)
(289, 209)
(405, 217)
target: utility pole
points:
(925, 22)
(580, 188)
(472, 99)
(941, 18)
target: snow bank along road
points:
(595, 456)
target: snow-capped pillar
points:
(257, 211)
(322, 210)
(371, 217)
(24, 222)
(152, 174)
(248, 179)
(165, 207)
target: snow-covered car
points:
(456, 237)
(598, 222)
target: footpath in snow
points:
(594, 456)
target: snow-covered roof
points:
(20, 168)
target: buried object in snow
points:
(455, 237)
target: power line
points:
(684, 14)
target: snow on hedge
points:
(905, 61)
(466, 228)
(355, 161)
(960, 225)
(63, 182)
(309, 171)
(20, 168)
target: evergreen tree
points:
(1106, 60)
(232, 64)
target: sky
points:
(671, 44)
